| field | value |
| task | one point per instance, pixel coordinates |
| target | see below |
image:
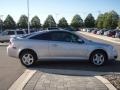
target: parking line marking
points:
(106, 82)
(22, 80)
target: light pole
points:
(56, 18)
(28, 16)
(1, 23)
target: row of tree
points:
(109, 20)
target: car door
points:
(65, 44)
(40, 43)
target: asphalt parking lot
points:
(11, 69)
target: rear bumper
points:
(12, 52)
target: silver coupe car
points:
(59, 45)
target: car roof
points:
(14, 30)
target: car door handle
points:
(54, 45)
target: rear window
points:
(20, 32)
(11, 33)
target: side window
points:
(64, 37)
(74, 38)
(44, 36)
(56, 36)
(11, 33)
(20, 32)
(70, 37)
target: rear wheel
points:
(1, 41)
(28, 58)
(98, 58)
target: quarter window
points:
(11, 33)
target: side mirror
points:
(80, 41)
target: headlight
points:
(114, 50)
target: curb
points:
(84, 73)
(106, 82)
(6, 44)
(100, 37)
(22, 80)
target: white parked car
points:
(117, 34)
(6, 35)
(59, 44)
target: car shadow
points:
(72, 67)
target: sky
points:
(57, 8)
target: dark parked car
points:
(94, 31)
(117, 34)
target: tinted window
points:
(63, 36)
(11, 33)
(56, 36)
(44, 36)
(20, 32)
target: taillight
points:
(12, 45)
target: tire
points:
(28, 58)
(2, 42)
(98, 58)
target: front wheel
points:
(98, 58)
(28, 58)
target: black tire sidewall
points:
(98, 52)
(28, 52)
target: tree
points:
(63, 23)
(77, 22)
(89, 21)
(1, 25)
(49, 22)
(99, 21)
(35, 22)
(115, 19)
(9, 23)
(110, 20)
(119, 23)
(23, 22)
(107, 20)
